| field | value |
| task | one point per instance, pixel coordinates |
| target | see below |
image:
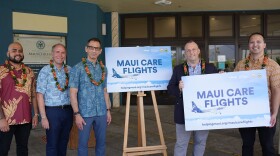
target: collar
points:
(89, 62)
(198, 64)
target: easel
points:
(143, 149)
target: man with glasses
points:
(89, 98)
(193, 65)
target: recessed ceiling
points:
(148, 6)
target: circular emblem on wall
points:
(40, 44)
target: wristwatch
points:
(76, 113)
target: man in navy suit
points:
(193, 65)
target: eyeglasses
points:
(93, 48)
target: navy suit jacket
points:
(173, 89)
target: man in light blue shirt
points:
(89, 99)
(54, 102)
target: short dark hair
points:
(256, 33)
(95, 40)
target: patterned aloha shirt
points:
(91, 101)
(16, 101)
(47, 86)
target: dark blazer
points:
(173, 89)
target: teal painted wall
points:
(84, 22)
(107, 37)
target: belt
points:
(60, 106)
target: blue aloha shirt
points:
(91, 101)
(46, 86)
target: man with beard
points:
(17, 95)
(54, 102)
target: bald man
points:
(193, 65)
(17, 96)
(54, 102)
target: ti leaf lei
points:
(11, 71)
(55, 77)
(186, 71)
(265, 61)
(90, 75)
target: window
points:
(227, 51)
(273, 25)
(191, 26)
(249, 24)
(174, 56)
(274, 54)
(164, 27)
(220, 26)
(136, 28)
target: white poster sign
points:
(138, 68)
(229, 100)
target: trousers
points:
(183, 138)
(21, 133)
(266, 135)
(60, 122)
(99, 125)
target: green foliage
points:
(278, 60)
(173, 62)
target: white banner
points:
(229, 100)
(138, 68)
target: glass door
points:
(177, 55)
(222, 51)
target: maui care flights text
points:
(139, 66)
(228, 97)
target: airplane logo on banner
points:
(130, 76)
(195, 109)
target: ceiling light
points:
(163, 2)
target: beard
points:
(14, 60)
